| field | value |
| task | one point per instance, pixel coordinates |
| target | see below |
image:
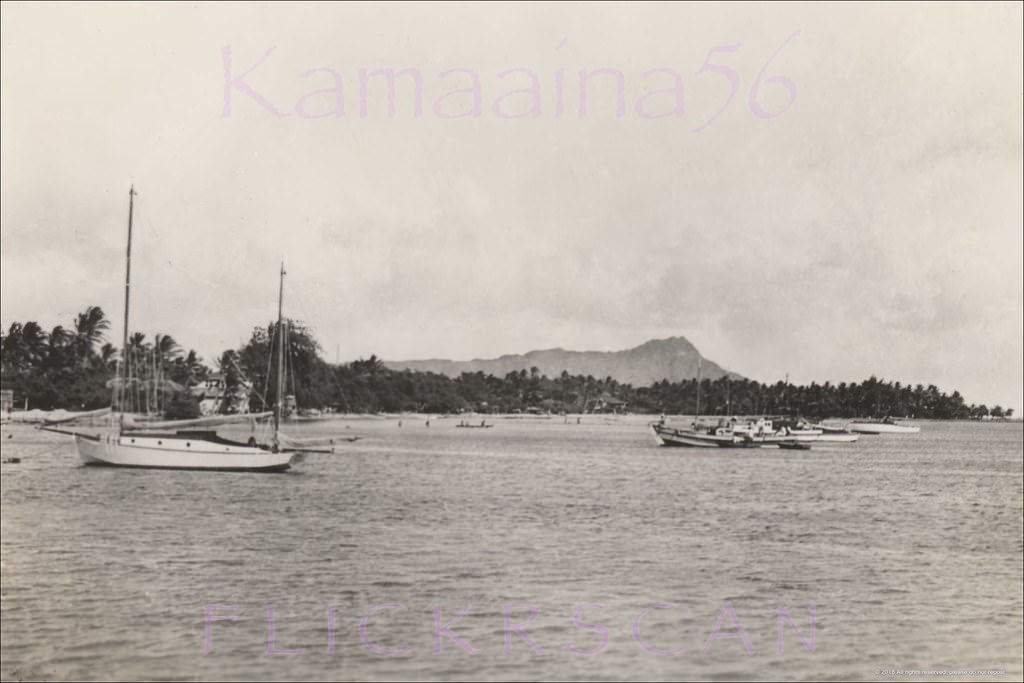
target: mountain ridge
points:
(673, 359)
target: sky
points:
(820, 191)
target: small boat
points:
(697, 436)
(795, 445)
(688, 438)
(886, 425)
(767, 430)
(469, 425)
(719, 436)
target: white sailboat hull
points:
(181, 452)
(882, 428)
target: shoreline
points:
(38, 416)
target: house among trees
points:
(215, 397)
(608, 404)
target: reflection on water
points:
(570, 552)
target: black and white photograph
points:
(512, 341)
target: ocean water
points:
(572, 551)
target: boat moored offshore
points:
(886, 425)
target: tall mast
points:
(785, 395)
(280, 355)
(728, 396)
(698, 385)
(127, 292)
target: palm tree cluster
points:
(871, 398)
(73, 367)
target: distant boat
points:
(162, 446)
(733, 434)
(722, 435)
(689, 438)
(886, 425)
(470, 425)
(786, 430)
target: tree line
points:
(75, 368)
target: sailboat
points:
(728, 433)
(696, 436)
(165, 445)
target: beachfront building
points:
(214, 396)
(607, 404)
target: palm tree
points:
(188, 370)
(89, 329)
(108, 355)
(166, 348)
(368, 368)
(14, 353)
(136, 360)
(165, 351)
(137, 352)
(229, 365)
(161, 355)
(35, 340)
(58, 348)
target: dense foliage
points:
(72, 368)
(366, 386)
(76, 369)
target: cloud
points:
(873, 227)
